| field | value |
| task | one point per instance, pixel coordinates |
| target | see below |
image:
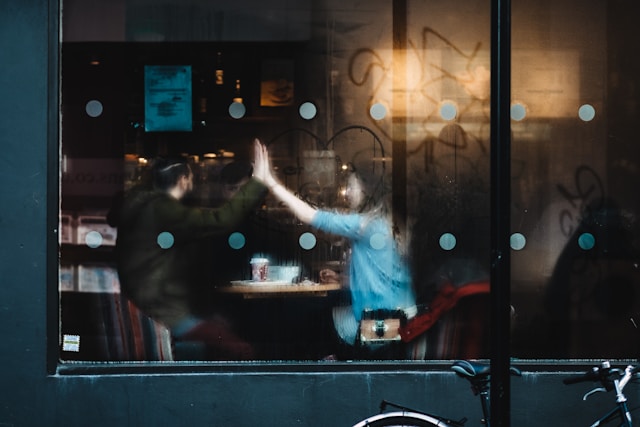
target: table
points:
(251, 290)
(285, 321)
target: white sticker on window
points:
(71, 343)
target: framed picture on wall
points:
(276, 85)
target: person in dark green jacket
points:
(156, 250)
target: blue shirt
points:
(379, 279)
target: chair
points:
(455, 326)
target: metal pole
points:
(500, 211)
(399, 140)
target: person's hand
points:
(262, 172)
(262, 166)
(260, 161)
(329, 276)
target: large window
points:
(396, 92)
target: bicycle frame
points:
(603, 374)
(621, 409)
(478, 375)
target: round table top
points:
(252, 289)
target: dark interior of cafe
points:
(436, 169)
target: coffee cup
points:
(259, 269)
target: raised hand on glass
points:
(261, 165)
(300, 209)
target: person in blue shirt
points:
(378, 276)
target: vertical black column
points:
(53, 176)
(399, 117)
(500, 211)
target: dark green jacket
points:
(158, 242)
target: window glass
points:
(372, 240)
(575, 269)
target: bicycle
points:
(611, 379)
(478, 375)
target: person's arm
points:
(303, 211)
(262, 172)
(195, 222)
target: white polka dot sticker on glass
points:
(518, 112)
(586, 113)
(586, 241)
(165, 240)
(93, 108)
(237, 240)
(378, 111)
(517, 241)
(307, 241)
(447, 241)
(237, 110)
(93, 239)
(448, 110)
(377, 241)
(307, 110)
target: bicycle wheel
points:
(401, 419)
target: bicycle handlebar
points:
(605, 375)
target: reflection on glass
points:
(382, 115)
(571, 191)
(574, 186)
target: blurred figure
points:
(157, 240)
(230, 262)
(378, 275)
(592, 299)
(234, 176)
